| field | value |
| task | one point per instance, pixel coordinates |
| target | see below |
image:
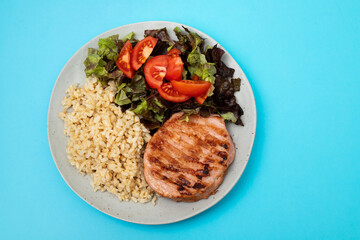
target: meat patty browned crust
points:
(187, 161)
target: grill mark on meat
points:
(183, 180)
(157, 145)
(173, 168)
(184, 191)
(154, 160)
(211, 143)
(206, 169)
(177, 184)
(209, 160)
(224, 145)
(223, 155)
(198, 186)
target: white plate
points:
(165, 211)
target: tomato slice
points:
(155, 70)
(142, 51)
(201, 99)
(174, 51)
(123, 61)
(175, 68)
(196, 78)
(167, 92)
(191, 88)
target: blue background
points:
(302, 59)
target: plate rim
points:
(224, 193)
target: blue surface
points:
(302, 59)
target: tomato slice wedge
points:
(191, 88)
(174, 51)
(167, 92)
(196, 78)
(155, 70)
(142, 51)
(201, 99)
(175, 68)
(123, 61)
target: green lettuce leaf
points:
(229, 116)
(102, 62)
(141, 109)
(91, 62)
(195, 57)
(188, 40)
(194, 39)
(108, 47)
(92, 51)
(151, 111)
(200, 67)
(129, 36)
(179, 34)
(137, 88)
(132, 91)
(188, 113)
(236, 82)
(121, 98)
(181, 44)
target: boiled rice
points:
(105, 142)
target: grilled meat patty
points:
(187, 161)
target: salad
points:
(158, 76)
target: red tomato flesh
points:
(196, 78)
(174, 51)
(142, 51)
(167, 92)
(155, 70)
(191, 88)
(175, 68)
(123, 61)
(201, 99)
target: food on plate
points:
(178, 90)
(187, 161)
(191, 88)
(167, 92)
(105, 142)
(166, 76)
(123, 61)
(155, 70)
(175, 69)
(142, 51)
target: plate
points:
(166, 210)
